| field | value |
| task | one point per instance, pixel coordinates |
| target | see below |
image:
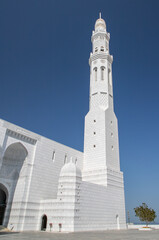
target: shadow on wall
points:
(3, 200)
(12, 168)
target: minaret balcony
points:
(104, 34)
(100, 55)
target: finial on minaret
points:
(100, 15)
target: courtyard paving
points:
(104, 235)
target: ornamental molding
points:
(21, 133)
(100, 34)
(20, 136)
(96, 56)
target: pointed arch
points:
(13, 160)
(3, 201)
(4, 188)
(13, 167)
(43, 222)
(109, 77)
(102, 73)
(18, 147)
(95, 74)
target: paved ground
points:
(105, 235)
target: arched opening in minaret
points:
(44, 223)
(95, 74)
(102, 49)
(3, 203)
(102, 73)
(106, 46)
(109, 77)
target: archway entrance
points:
(3, 199)
(13, 166)
(44, 223)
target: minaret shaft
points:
(101, 150)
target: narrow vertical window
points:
(106, 46)
(102, 73)
(65, 159)
(109, 77)
(95, 73)
(53, 156)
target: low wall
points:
(135, 226)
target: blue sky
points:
(44, 78)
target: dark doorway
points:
(2, 205)
(44, 223)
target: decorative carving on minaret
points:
(100, 62)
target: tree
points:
(145, 214)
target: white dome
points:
(70, 169)
(100, 24)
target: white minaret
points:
(101, 150)
(100, 68)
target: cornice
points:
(96, 56)
(100, 34)
(21, 137)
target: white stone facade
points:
(46, 185)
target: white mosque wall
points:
(96, 207)
(38, 174)
(47, 169)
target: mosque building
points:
(45, 185)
